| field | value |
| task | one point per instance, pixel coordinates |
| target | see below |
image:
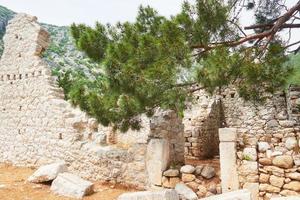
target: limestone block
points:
(148, 195)
(293, 185)
(171, 173)
(70, 185)
(286, 198)
(263, 146)
(188, 169)
(208, 172)
(283, 161)
(253, 188)
(250, 154)
(227, 134)
(276, 181)
(185, 192)
(47, 172)
(291, 143)
(238, 194)
(293, 175)
(268, 188)
(157, 160)
(188, 177)
(229, 175)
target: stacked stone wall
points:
(202, 120)
(37, 126)
(267, 143)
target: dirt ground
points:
(13, 186)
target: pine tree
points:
(159, 62)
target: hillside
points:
(61, 54)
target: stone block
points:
(47, 172)
(157, 160)
(227, 134)
(70, 185)
(253, 188)
(148, 195)
(285, 161)
(235, 195)
(185, 192)
(229, 175)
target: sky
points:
(65, 12)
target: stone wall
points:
(37, 126)
(267, 142)
(202, 119)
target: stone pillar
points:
(157, 160)
(229, 175)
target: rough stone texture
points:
(235, 195)
(69, 185)
(185, 192)
(37, 126)
(229, 176)
(201, 123)
(283, 161)
(157, 160)
(188, 169)
(171, 173)
(208, 172)
(147, 195)
(47, 172)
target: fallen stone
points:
(47, 172)
(148, 195)
(187, 169)
(188, 177)
(208, 172)
(171, 173)
(70, 185)
(199, 169)
(185, 192)
(235, 195)
(283, 161)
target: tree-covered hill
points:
(61, 54)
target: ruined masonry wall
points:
(268, 142)
(201, 121)
(37, 126)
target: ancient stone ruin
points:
(257, 145)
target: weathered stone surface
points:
(235, 195)
(147, 195)
(265, 161)
(283, 161)
(264, 178)
(253, 188)
(171, 173)
(208, 172)
(193, 185)
(263, 146)
(188, 177)
(289, 193)
(198, 169)
(276, 181)
(47, 172)
(291, 143)
(157, 159)
(294, 176)
(201, 191)
(185, 192)
(286, 198)
(268, 188)
(248, 167)
(70, 185)
(250, 154)
(293, 185)
(229, 175)
(227, 134)
(188, 169)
